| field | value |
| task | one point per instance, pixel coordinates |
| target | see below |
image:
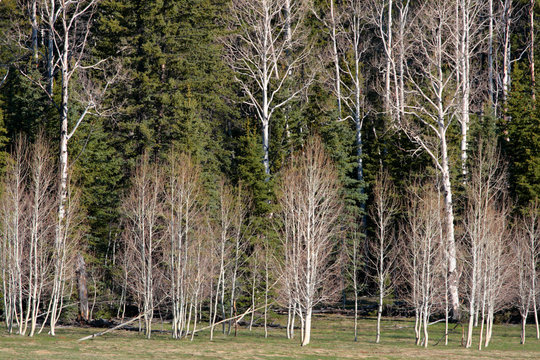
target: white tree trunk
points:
(531, 50)
(491, 89)
(450, 239)
(506, 55)
(335, 55)
(306, 338)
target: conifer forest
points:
(215, 165)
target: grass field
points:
(331, 339)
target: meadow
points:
(332, 339)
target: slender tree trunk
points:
(195, 319)
(489, 323)
(449, 224)
(307, 328)
(219, 284)
(83, 293)
(233, 281)
(389, 54)
(533, 284)
(358, 122)
(266, 147)
(523, 327)
(355, 316)
(222, 303)
(34, 24)
(465, 82)
(381, 288)
(425, 326)
(335, 56)
(403, 13)
(355, 287)
(253, 278)
(289, 317)
(62, 192)
(379, 314)
(472, 295)
(531, 51)
(491, 91)
(50, 47)
(265, 101)
(293, 320)
(266, 288)
(482, 321)
(506, 57)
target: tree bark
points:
(307, 328)
(531, 51)
(83, 293)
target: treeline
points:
(213, 151)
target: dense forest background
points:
(165, 78)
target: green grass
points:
(331, 339)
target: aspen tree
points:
(266, 50)
(382, 250)
(67, 24)
(432, 110)
(143, 209)
(184, 206)
(310, 212)
(484, 193)
(421, 256)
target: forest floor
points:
(332, 338)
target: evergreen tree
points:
(251, 172)
(177, 89)
(521, 137)
(98, 171)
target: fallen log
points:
(111, 329)
(239, 317)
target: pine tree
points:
(98, 171)
(251, 172)
(521, 140)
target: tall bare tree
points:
(421, 256)
(507, 19)
(469, 30)
(382, 249)
(14, 226)
(27, 213)
(184, 205)
(143, 209)
(354, 249)
(352, 47)
(230, 219)
(496, 276)
(67, 24)
(531, 49)
(432, 108)
(40, 214)
(330, 16)
(484, 193)
(381, 15)
(266, 49)
(310, 211)
(523, 273)
(531, 228)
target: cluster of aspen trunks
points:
(36, 252)
(180, 251)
